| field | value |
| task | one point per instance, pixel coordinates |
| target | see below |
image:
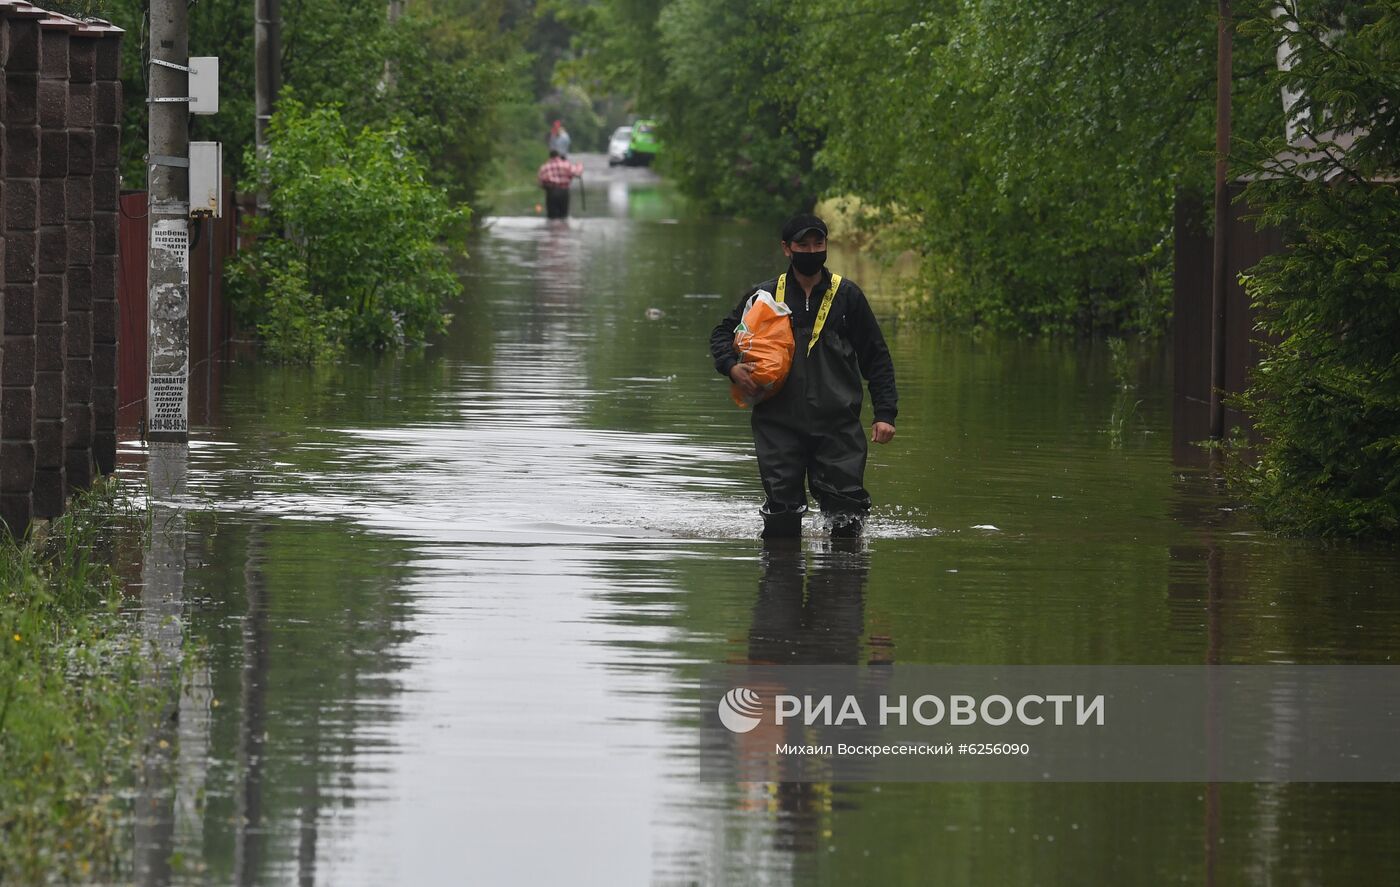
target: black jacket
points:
(850, 322)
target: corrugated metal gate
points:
(212, 241)
(1191, 335)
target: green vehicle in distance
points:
(642, 149)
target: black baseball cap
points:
(800, 224)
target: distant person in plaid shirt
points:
(555, 177)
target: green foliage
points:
(453, 78)
(75, 696)
(1033, 148)
(273, 295)
(1027, 150)
(737, 74)
(616, 44)
(520, 152)
(350, 254)
(725, 79)
(1325, 398)
(440, 73)
(1125, 401)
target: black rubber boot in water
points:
(847, 525)
(782, 523)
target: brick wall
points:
(59, 127)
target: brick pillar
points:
(21, 199)
(106, 194)
(51, 294)
(82, 142)
(4, 58)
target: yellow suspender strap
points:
(822, 312)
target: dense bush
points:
(350, 254)
(1325, 399)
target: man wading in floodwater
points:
(809, 433)
(555, 177)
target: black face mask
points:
(808, 263)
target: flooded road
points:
(451, 603)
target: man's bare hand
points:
(882, 432)
(742, 376)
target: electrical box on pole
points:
(204, 84)
(206, 179)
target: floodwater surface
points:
(450, 605)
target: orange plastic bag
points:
(764, 342)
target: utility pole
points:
(267, 37)
(1220, 277)
(168, 265)
(167, 405)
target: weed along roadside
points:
(78, 694)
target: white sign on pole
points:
(167, 390)
(166, 410)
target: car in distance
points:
(620, 146)
(644, 145)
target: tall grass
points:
(73, 699)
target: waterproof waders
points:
(809, 434)
(556, 203)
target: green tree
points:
(457, 62)
(615, 43)
(1032, 148)
(737, 75)
(1028, 150)
(1325, 398)
(726, 80)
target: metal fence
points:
(1191, 316)
(212, 242)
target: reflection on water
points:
(449, 601)
(807, 613)
(810, 618)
